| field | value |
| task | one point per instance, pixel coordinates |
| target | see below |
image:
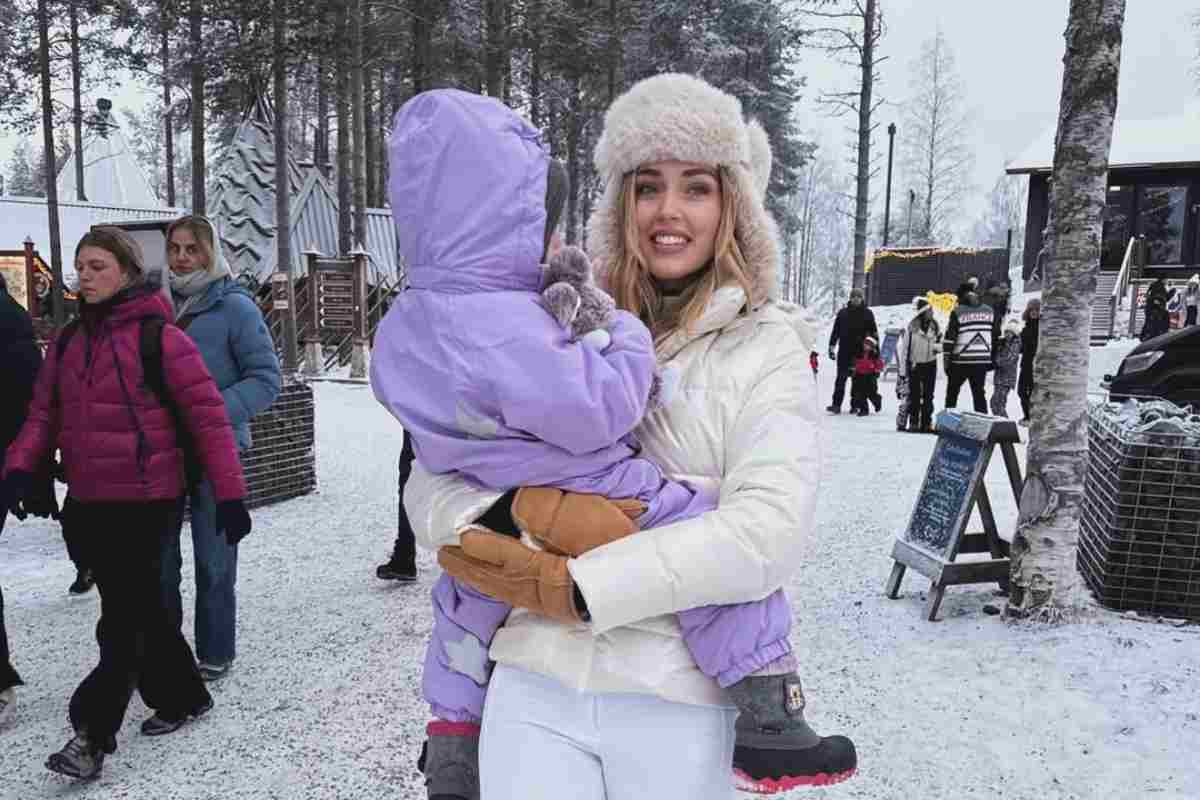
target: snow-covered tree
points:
(1005, 211)
(937, 157)
(851, 30)
(1045, 583)
(21, 178)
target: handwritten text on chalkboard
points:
(945, 494)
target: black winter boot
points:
(451, 767)
(83, 582)
(82, 757)
(776, 750)
(164, 722)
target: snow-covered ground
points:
(324, 699)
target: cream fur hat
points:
(674, 117)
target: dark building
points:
(1153, 191)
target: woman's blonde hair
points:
(633, 287)
(199, 227)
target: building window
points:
(1118, 216)
(1160, 218)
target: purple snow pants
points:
(728, 642)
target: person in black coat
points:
(853, 325)
(1157, 321)
(20, 359)
(1029, 346)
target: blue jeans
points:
(216, 578)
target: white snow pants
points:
(542, 741)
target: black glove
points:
(40, 500)
(233, 519)
(14, 490)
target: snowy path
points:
(324, 702)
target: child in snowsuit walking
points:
(1008, 363)
(491, 386)
(864, 386)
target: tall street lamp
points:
(887, 202)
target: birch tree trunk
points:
(1045, 583)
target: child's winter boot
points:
(82, 757)
(775, 749)
(450, 762)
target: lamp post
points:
(887, 202)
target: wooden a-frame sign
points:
(953, 486)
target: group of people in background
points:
(1161, 302)
(980, 338)
(147, 397)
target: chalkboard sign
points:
(887, 350)
(953, 485)
(945, 496)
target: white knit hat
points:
(674, 117)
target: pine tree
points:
(22, 180)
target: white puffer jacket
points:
(743, 420)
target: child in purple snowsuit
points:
(489, 385)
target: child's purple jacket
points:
(484, 379)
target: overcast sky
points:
(1009, 54)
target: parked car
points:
(1166, 366)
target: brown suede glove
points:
(506, 569)
(571, 524)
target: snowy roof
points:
(22, 217)
(243, 205)
(111, 174)
(1170, 141)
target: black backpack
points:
(150, 350)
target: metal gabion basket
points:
(1139, 539)
(281, 463)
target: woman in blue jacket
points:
(228, 329)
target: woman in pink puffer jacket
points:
(122, 453)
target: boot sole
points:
(744, 783)
(62, 767)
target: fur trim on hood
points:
(674, 117)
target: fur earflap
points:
(760, 156)
(675, 117)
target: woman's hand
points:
(571, 524)
(506, 569)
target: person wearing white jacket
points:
(916, 367)
(616, 707)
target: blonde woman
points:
(232, 337)
(617, 707)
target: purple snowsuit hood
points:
(468, 194)
(468, 361)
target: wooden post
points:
(358, 356)
(283, 298)
(312, 344)
(31, 303)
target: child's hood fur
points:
(682, 118)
